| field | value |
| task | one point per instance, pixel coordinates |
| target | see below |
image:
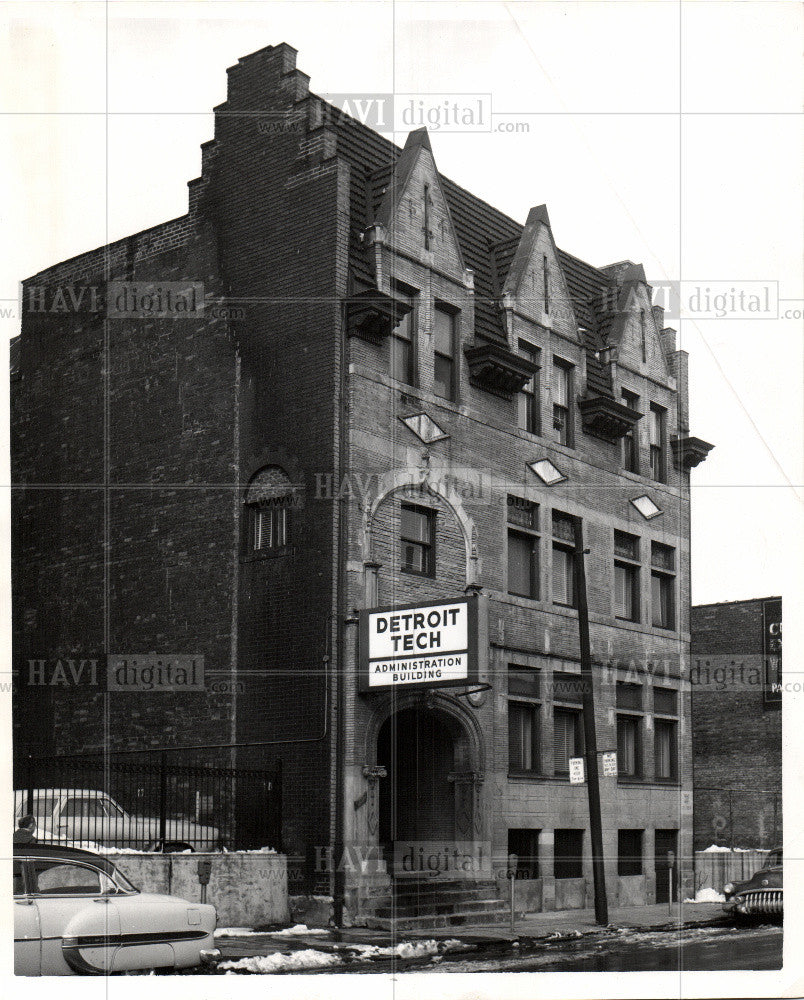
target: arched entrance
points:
(417, 800)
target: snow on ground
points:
(298, 929)
(707, 895)
(715, 848)
(296, 961)
(284, 932)
(411, 949)
(310, 958)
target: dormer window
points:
(562, 395)
(444, 370)
(403, 343)
(657, 429)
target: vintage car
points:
(81, 816)
(762, 894)
(75, 914)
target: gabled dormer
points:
(633, 331)
(535, 284)
(413, 213)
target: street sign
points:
(576, 770)
(610, 765)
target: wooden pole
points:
(590, 737)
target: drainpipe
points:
(342, 463)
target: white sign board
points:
(610, 765)
(433, 644)
(576, 770)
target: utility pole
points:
(590, 737)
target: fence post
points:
(731, 825)
(276, 805)
(163, 797)
(29, 784)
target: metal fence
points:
(714, 869)
(125, 801)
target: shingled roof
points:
(488, 239)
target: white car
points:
(86, 816)
(75, 914)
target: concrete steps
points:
(416, 902)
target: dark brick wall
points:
(195, 408)
(737, 739)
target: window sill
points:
(286, 550)
(659, 782)
(525, 775)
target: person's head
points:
(27, 823)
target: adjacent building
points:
(342, 464)
(737, 723)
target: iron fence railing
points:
(119, 801)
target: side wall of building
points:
(737, 737)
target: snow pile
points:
(411, 949)
(298, 929)
(707, 895)
(713, 848)
(295, 961)
(236, 932)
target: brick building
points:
(737, 723)
(395, 395)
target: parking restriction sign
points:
(576, 770)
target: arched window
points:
(269, 499)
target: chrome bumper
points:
(209, 955)
(762, 902)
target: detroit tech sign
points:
(422, 645)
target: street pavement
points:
(690, 936)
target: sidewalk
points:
(533, 927)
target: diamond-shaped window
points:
(646, 507)
(547, 472)
(424, 427)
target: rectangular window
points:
(563, 560)
(568, 854)
(567, 738)
(546, 283)
(629, 749)
(525, 845)
(642, 337)
(562, 401)
(629, 696)
(403, 344)
(626, 576)
(663, 586)
(268, 527)
(630, 441)
(524, 688)
(629, 852)
(523, 548)
(665, 701)
(523, 736)
(568, 688)
(664, 749)
(657, 420)
(528, 399)
(444, 381)
(417, 535)
(525, 681)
